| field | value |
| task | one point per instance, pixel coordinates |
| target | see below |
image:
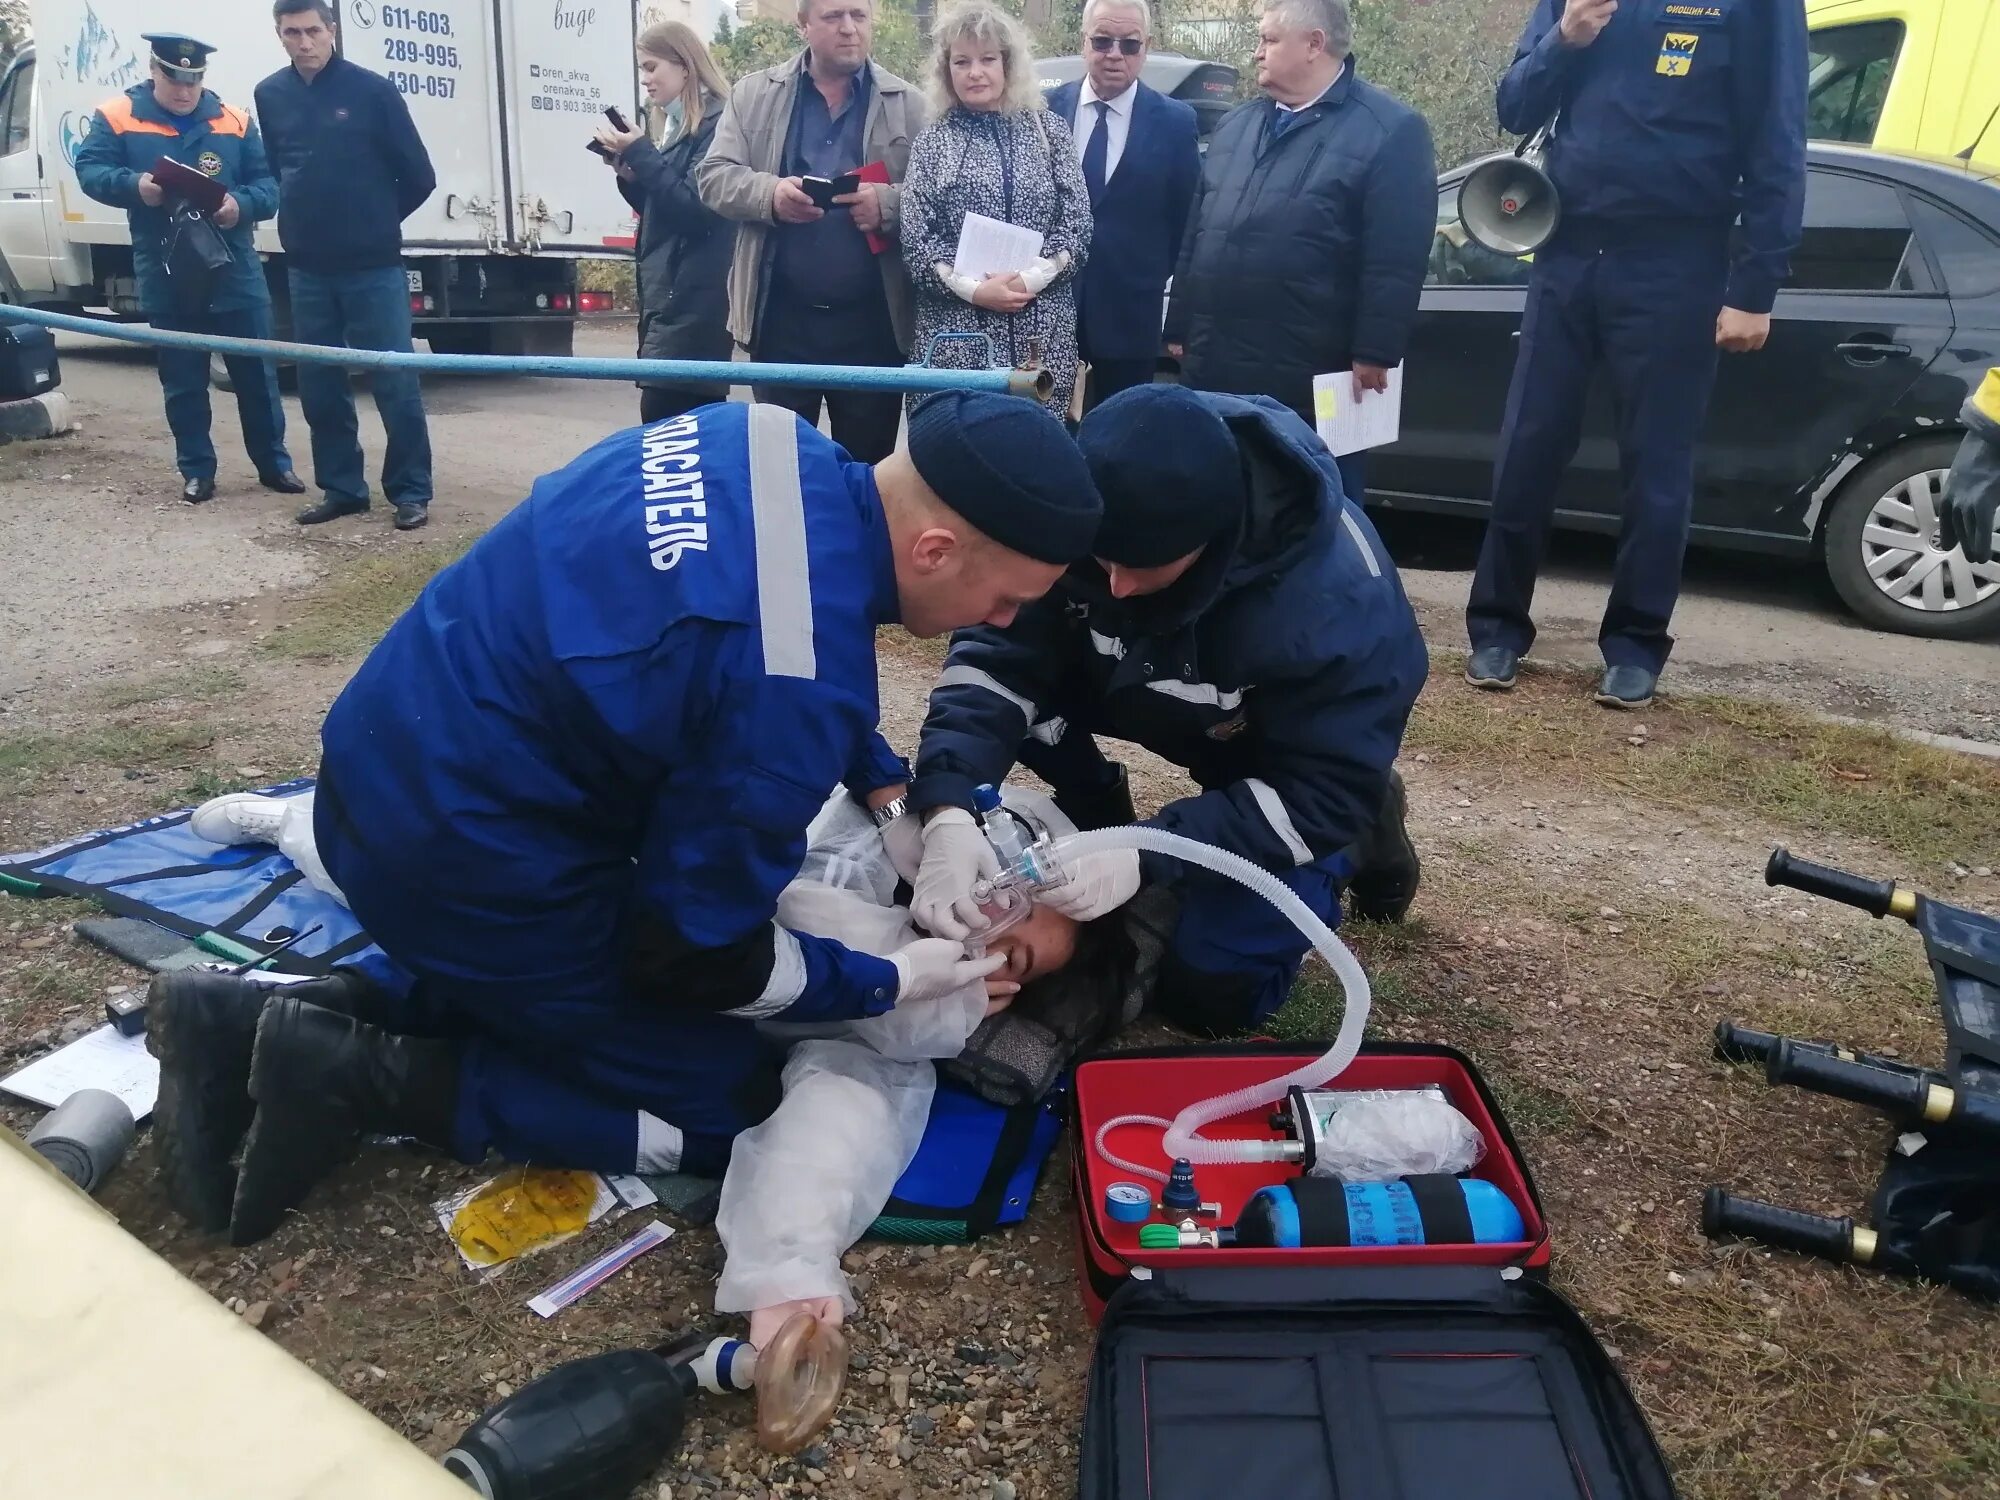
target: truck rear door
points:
(562, 62)
(439, 55)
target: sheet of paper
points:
(101, 1060)
(988, 247)
(1346, 425)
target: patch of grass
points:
(31, 757)
(1968, 1407)
(1316, 1005)
(352, 609)
(1531, 1108)
(57, 986)
(196, 684)
(1924, 805)
(899, 642)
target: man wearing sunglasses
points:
(1140, 154)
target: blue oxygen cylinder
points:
(1436, 1209)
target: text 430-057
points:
(425, 85)
(403, 18)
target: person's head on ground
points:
(987, 502)
(1171, 479)
(1301, 45)
(839, 35)
(1116, 34)
(675, 69)
(307, 29)
(179, 65)
(1042, 942)
(981, 59)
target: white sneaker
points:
(239, 818)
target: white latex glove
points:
(931, 968)
(956, 856)
(903, 841)
(1098, 883)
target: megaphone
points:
(1509, 205)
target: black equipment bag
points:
(28, 363)
(1412, 1382)
(197, 255)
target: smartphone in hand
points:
(823, 190)
(617, 120)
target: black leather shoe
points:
(1493, 668)
(1387, 869)
(1626, 687)
(284, 481)
(201, 1025)
(330, 508)
(409, 516)
(194, 491)
(322, 1081)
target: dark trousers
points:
(1110, 376)
(1234, 956)
(794, 332)
(1640, 301)
(658, 402)
(184, 384)
(361, 310)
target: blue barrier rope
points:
(1033, 384)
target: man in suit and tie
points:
(1141, 159)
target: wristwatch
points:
(888, 812)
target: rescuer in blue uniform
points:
(1672, 118)
(1240, 618)
(567, 787)
(173, 116)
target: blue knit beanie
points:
(1167, 467)
(1011, 469)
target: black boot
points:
(1387, 871)
(1106, 806)
(322, 1081)
(200, 1024)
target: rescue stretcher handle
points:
(1879, 898)
(1822, 1235)
(1806, 1067)
(1745, 1044)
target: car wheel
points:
(1881, 551)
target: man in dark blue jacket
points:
(565, 790)
(1239, 618)
(1141, 155)
(351, 168)
(173, 116)
(1670, 122)
(1312, 226)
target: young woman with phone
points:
(684, 250)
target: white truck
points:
(505, 93)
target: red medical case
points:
(1424, 1372)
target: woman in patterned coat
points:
(993, 149)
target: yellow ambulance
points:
(1907, 75)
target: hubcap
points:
(1900, 551)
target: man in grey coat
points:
(815, 285)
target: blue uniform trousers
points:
(361, 310)
(184, 382)
(563, 1082)
(1234, 956)
(1641, 299)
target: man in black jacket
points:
(1311, 229)
(351, 167)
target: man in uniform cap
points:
(197, 267)
(566, 788)
(1238, 617)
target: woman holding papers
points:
(996, 219)
(684, 250)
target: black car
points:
(1830, 444)
(1209, 86)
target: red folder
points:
(876, 171)
(203, 191)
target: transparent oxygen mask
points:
(1007, 898)
(800, 1375)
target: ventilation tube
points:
(1183, 1132)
